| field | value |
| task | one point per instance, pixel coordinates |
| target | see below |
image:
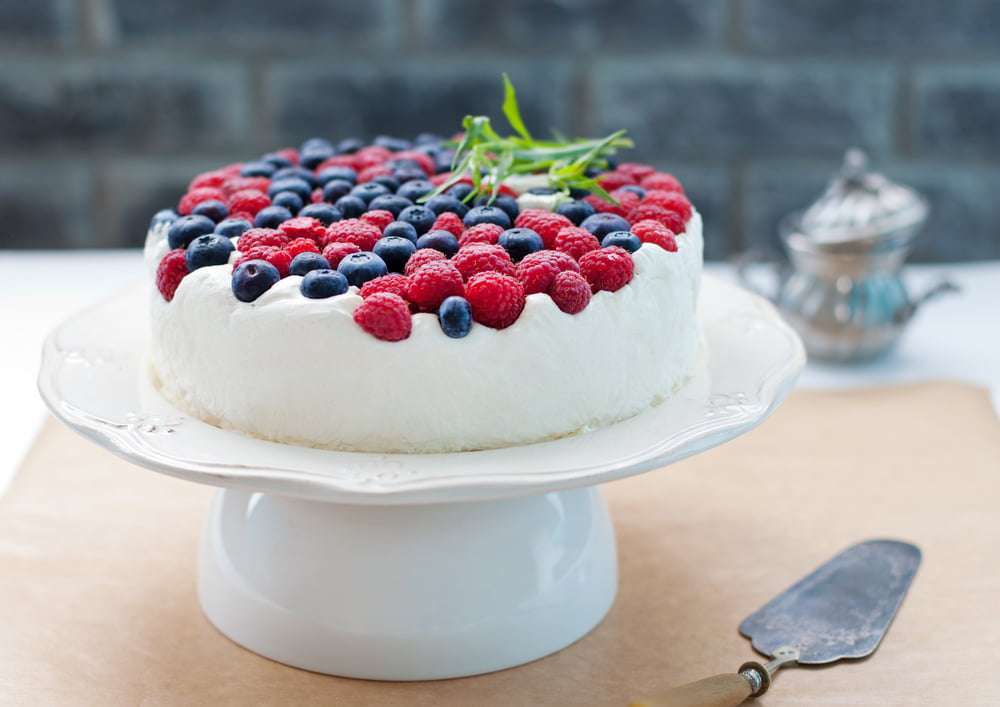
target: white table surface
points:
(957, 337)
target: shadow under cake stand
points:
(410, 567)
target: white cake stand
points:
(410, 567)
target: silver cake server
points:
(841, 610)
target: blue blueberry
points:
(324, 213)
(186, 228)
(604, 223)
(253, 278)
(349, 146)
(393, 203)
(351, 206)
(288, 199)
(519, 242)
(315, 143)
(635, 189)
(311, 157)
(428, 139)
(306, 175)
(271, 217)
(396, 144)
(446, 202)
(623, 239)
(455, 317)
(395, 251)
(460, 190)
(320, 284)
(368, 191)
(233, 227)
(296, 185)
(408, 174)
(279, 161)
(401, 229)
(420, 217)
(210, 249)
(344, 173)
(307, 262)
(444, 241)
(258, 169)
(163, 216)
(575, 211)
(486, 214)
(335, 189)
(214, 209)
(361, 267)
(387, 181)
(442, 161)
(415, 189)
(506, 203)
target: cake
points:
(426, 296)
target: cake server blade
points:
(841, 610)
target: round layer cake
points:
(375, 298)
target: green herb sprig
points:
(488, 158)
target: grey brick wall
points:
(107, 107)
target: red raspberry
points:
(635, 170)
(237, 183)
(303, 227)
(536, 274)
(482, 257)
(449, 222)
(379, 218)
(215, 178)
(196, 196)
(301, 245)
(255, 237)
(671, 201)
(661, 181)
(656, 233)
(385, 316)
(249, 200)
(336, 161)
(575, 241)
(545, 223)
(277, 257)
(607, 207)
(316, 196)
(393, 282)
(481, 233)
(231, 170)
(169, 273)
(241, 215)
(335, 252)
(421, 158)
(353, 230)
(626, 200)
(607, 269)
(373, 154)
(289, 153)
(421, 258)
(432, 283)
(497, 300)
(614, 180)
(439, 179)
(376, 170)
(652, 212)
(570, 292)
(561, 260)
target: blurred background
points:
(108, 107)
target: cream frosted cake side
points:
(432, 296)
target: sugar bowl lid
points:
(862, 205)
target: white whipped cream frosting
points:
(298, 370)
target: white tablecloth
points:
(954, 337)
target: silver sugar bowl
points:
(842, 289)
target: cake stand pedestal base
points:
(413, 592)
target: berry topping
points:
(570, 292)
(450, 222)
(487, 214)
(395, 251)
(607, 269)
(575, 211)
(622, 239)
(385, 316)
(446, 203)
(335, 252)
(432, 283)
(187, 228)
(671, 201)
(415, 189)
(170, 272)
(483, 233)
(378, 218)
(350, 206)
(520, 242)
(361, 267)
(661, 181)
(297, 185)
(320, 284)
(545, 223)
(603, 224)
(288, 200)
(255, 237)
(394, 282)
(253, 278)
(575, 241)
(455, 317)
(392, 203)
(307, 262)
(336, 189)
(482, 257)
(163, 216)
(324, 213)
(277, 257)
(271, 217)
(439, 240)
(656, 233)
(210, 249)
(635, 170)
(303, 227)
(421, 258)
(355, 231)
(653, 212)
(368, 191)
(536, 274)
(197, 196)
(610, 181)
(420, 217)
(248, 200)
(496, 299)
(301, 245)
(213, 209)
(401, 229)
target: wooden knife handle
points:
(726, 690)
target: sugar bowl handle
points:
(757, 257)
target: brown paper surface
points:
(97, 571)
